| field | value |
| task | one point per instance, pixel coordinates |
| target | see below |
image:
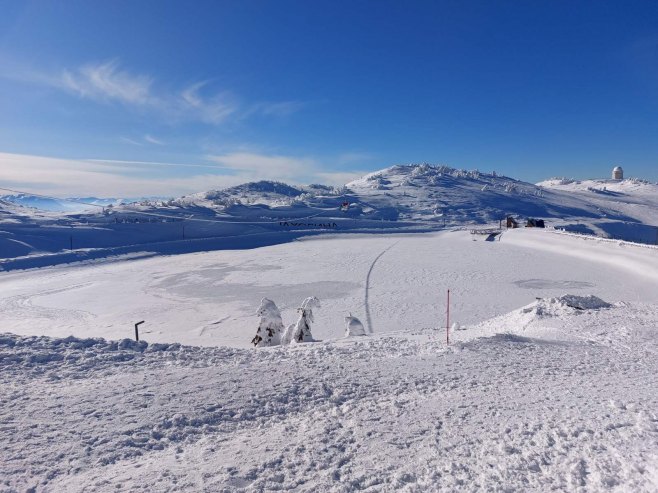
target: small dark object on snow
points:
(511, 222)
(535, 223)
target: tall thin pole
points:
(448, 319)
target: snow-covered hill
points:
(636, 199)
(407, 198)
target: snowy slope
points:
(564, 402)
(633, 198)
(557, 393)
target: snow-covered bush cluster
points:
(421, 170)
(271, 331)
(270, 327)
(561, 180)
(300, 331)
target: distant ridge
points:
(400, 198)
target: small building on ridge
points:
(617, 173)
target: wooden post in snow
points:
(137, 330)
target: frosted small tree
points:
(270, 327)
(301, 330)
(354, 327)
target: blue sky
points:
(166, 98)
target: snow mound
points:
(541, 318)
(564, 305)
(72, 356)
(354, 327)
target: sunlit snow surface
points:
(550, 381)
(558, 393)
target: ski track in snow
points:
(23, 303)
(367, 290)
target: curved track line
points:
(367, 294)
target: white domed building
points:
(617, 173)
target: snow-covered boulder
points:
(564, 305)
(301, 330)
(354, 327)
(270, 327)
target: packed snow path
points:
(567, 403)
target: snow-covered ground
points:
(390, 282)
(556, 394)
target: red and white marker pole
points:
(448, 319)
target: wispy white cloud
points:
(106, 81)
(129, 163)
(131, 141)
(72, 177)
(142, 141)
(277, 109)
(338, 177)
(213, 109)
(292, 169)
(268, 167)
(109, 82)
(152, 140)
(112, 178)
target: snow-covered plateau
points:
(549, 381)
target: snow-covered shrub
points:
(301, 330)
(354, 327)
(270, 327)
(420, 170)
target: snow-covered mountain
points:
(408, 198)
(71, 204)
